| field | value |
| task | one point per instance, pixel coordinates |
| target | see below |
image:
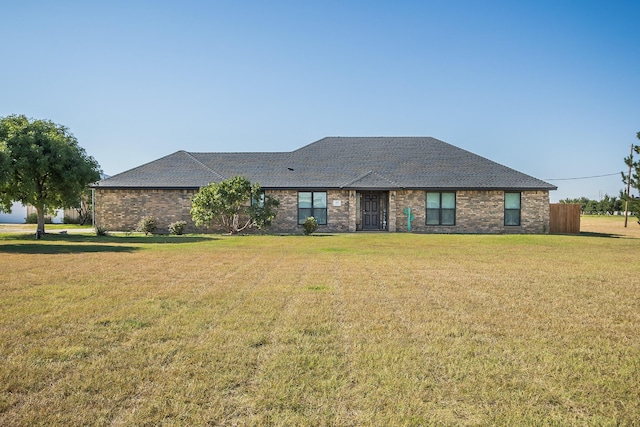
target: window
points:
(441, 208)
(312, 203)
(259, 200)
(511, 208)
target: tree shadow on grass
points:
(70, 243)
(53, 249)
(606, 235)
(83, 238)
(303, 235)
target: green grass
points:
(350, 329)
(47, 227)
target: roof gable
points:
(371, 179)
(179, 169)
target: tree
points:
(85, 208)
(45, 166)
(632, 179)
(5, 201)
(234, 204)
(607, 205)
(582, 201)
(633, 205)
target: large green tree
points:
(234, 204)
(43, 166)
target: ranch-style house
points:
(349, 184)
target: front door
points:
(371, 212)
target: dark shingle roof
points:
(336, 162)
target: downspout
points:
(93, 206)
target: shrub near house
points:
(146, 225)
(177, 228)
(234, 204)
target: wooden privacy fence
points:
(564, 218)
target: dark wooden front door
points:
(371, 212)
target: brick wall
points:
(340, 208)
(120, 210)
(476, 211)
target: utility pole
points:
(626, 202)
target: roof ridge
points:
(237, 152)
(202, 164)
(366, 174)
(386, 179)
(358, 178)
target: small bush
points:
(101, 231)
(146, 225)
(310, 225)
(177, 228)
(32, 218)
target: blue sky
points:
(549, 88)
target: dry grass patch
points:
(354, 329)
(610, 225)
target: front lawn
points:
(349, 329)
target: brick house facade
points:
(350, 192)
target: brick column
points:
(352, 211)
(391, 211)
